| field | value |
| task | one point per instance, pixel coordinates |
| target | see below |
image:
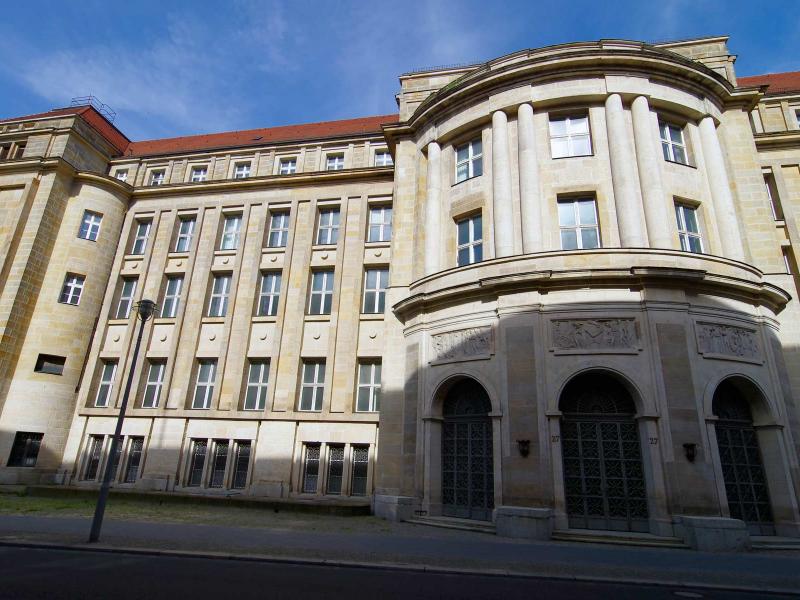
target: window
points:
(126, 294)
(569, 136)
(269, 294)
(19, 149)
(241, 170)
(788, 261)
(25, 449)
(241, 465)
(134, 460)
(116, 457)
(204, 387)
(199, 174)
(288, 166)
(313, 385)
(577, 220)
(90, 226)
(672, 143)
(380, 224)
(198, 461)
(469, 240)
(328, 226)
(220, 289)
(50, 364)
(797, 116)
(230, 232)
(172, 297)
(375, 282)
(157, 177)
(278, 229)
(469, 160)
(71, 292)
(383, 158)
(774, 199)
(185, 232)
(218, 463)
(140, 237)
(688, 228)
(108, 370)
(321, 292)
(334, 162)
(311, 468)
(122, 175)
(369, 387)
(360, 470)
(335, 468)
(257, 380)
(94, 451)
(155, 380)
(5, 151)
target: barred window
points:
(311, 468)
(94, 450)
(134, 459)
(241, 465)
(197, 463)
(360, 471)
(219, 461)
(335, 468)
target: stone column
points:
(648, 159)
(530, 200)
(626, 199)
(501, 187)
(720, 191)
(433, 210)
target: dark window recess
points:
(25, 449)
(335, 469)
(134, 459)
(50, 364)
(93, 457)
(117, 455)
(241, 465)
(360, 467)
(218, 466)
(311, 474)
(198, 460)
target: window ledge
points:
(317, 318)
(164, 321)
(466, 180)
(675, 162)
(590, 155)
(370, 245)
(265, 319)
(177, 255)
(780, 223)
(226, 252)
(133, 257)
(373, 316)
(273, 250)
(212, 320)
(328, 247)
(118, 321)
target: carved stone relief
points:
(577, 336)
(465, 344)
(715, 340)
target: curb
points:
(378, 566)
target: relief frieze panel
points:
(590, 336)
(730, 342)
(472, 343)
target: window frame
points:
(355, 473)
(312, 457)
(578, 227)
(121, 175)
(157, 385)
(260, 386)
(192, 466)
(668, 145)
(242, 169)
(372, 385)
(172, 298)
(72, 289)
(272, 295)
(208, 384)
(473, 244)
(324, 294)
(278, 226)
(384, 226)
(316, 385)
(139, 237)
(377, 293)
(92, 229)
(470, 161)
(25, 449)
(231, 231)
(338, 161)
(198, 174)
(184, 237)
(569, 136)
(105, 382)
(684, 234)
(328, 221)
(133, 452)
(240, 458)
(126, 301)
(383, 152)
(154, 180)
(218, 299)
(93, 458)
(287, 165)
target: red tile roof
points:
(89, 114)
(252, 137)
(777, 82)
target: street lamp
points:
(144, 310)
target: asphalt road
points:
(54, 574)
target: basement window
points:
(50, 364)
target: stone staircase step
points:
(768, 542)
(616, 537)
(452, 523)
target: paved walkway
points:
(418, 546)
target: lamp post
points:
(144, 310)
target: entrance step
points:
(772, 542)
(454, 523)
(624, 538)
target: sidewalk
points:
(418, 547)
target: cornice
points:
(268, 181)
(104, 181)
(777, 139)
(38, 164)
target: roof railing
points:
(94, 102)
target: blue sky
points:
(179, 68)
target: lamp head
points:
(145, 309)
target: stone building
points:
(556, 292)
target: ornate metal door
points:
(603, 473)
(742, 467)
(467, 468)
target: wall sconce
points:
(524, 447)
(690, 450)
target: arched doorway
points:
(604, 479)
(467, 468)
(740, 459)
